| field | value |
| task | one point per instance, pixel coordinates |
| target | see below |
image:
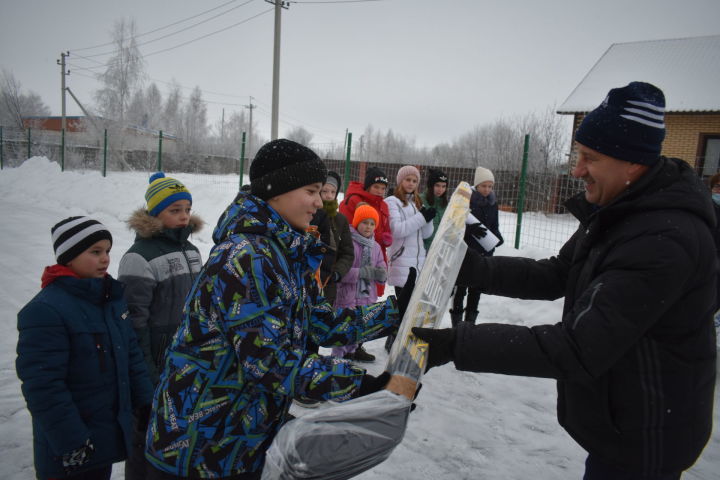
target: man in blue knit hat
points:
(634, 353)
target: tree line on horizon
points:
(126, 99)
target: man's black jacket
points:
(634, 354)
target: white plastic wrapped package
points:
(346, 439)
(339, 441)
(433, 288)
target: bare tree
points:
(153, 106)
(193, 127)
(123, 74)
(137, 113)
(299, 135)
(376, 146)
(232, 138)
(14, 105)
(171, 119)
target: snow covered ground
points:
(466, 425)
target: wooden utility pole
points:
(249, 140)
(222, 126)
(63, 119)
(63, 73)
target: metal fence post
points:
(521, 193)
(2, 149)
(159, 159)
(347, 161)
(28, 151)
(104, 166)
(242, 160)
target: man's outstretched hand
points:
(441, 344)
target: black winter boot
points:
(471, 316)
(455, 317)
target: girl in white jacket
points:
(410, 223)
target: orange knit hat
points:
(363, 212)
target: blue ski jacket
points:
(82, 371)
(239, 356)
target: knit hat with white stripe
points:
(164, 191)
(629, 124)
(74, 235)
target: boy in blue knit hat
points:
(158, 271)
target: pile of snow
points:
(465, 426)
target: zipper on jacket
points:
(187, 260)
(100, 351)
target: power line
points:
(193, 40)
(266, 111)
(160, 28)
(204, 92)
(100, 65)
(173, 33)
(75, 67)
(211, 33)
(302, 124)
(337, 1)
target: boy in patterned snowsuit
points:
(239, 356)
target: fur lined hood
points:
(147, 226)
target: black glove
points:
(404, 299)
(477, 230)
(470, 272)
(73, 460)
(367, 272)
(428, 212)
(441, 344)
(372, 384)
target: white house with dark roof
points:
(687, 70)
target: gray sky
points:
(428, 69)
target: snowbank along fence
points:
(530, 200)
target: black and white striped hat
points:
(74, 235)
(629, 124)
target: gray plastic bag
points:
(339, 441)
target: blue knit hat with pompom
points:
(163, 192)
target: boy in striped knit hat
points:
(158, 271)
(81, 368)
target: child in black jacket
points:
(483, 205)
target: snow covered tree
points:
(123, 74)
(14, 104)
(299, 135)
(145, 108)
(194, 121)
(137, 113)
(153, 106)
(170, 118)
